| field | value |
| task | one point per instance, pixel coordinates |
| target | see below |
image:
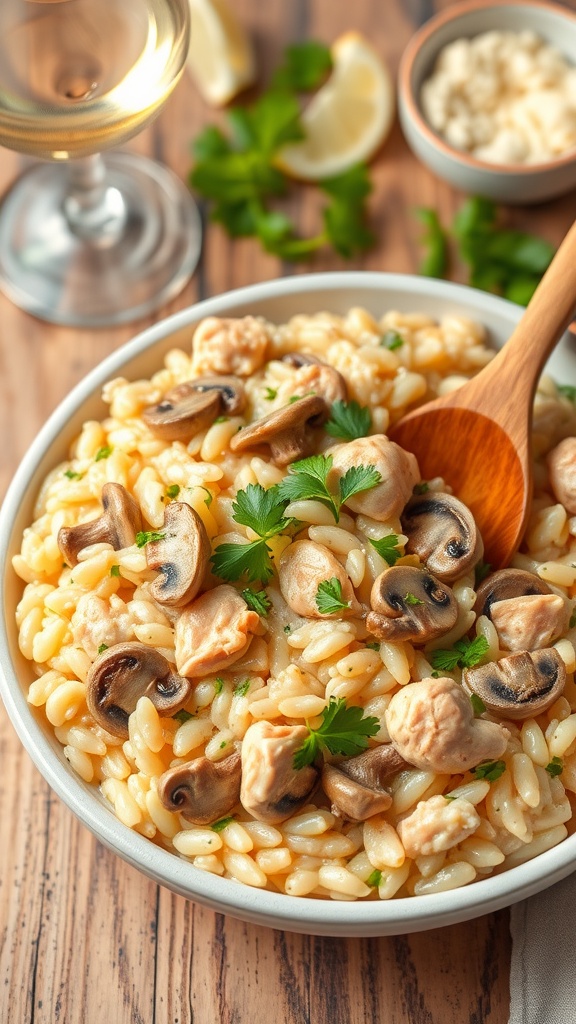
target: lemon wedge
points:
(220, 57)
(348, 118)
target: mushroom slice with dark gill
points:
(356, 787)
(410, 604)
(315, 377)
(520, 686)
(201, 790)
(194, 405)
(441, 530)
(123, 674)
(288, 432)
(272, 789)
(181, 556)
(118, 525)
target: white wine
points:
(79, 76)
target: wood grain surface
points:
(83, 936)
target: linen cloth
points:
(543, 965)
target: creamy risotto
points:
(277, 651)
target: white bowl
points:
(509, 183)
(277, 300)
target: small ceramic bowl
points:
(278, 301)
(509, 183)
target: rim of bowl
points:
(422, 36)
(258, 906)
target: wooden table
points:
(86, 938)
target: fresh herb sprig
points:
(308, 479)
(238, 172)
(464, 654)
(343, 730)
(388, 548)
(348, 421)
(257, 600)
(489, 770)
(329, 597)
(263, 512)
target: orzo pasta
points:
(274, 648)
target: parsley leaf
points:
(374, 879)
(182, 716)
(478, 705)
(357, 479)
(173, 491)
(270, 394)
(72, 475)
(308, 479)
(567, 390)
(435, 242)
(388, 548)
(412, 599)
(555, 767)
(102, 648)
(344, 730)
(349, 420)
(103, 453)
(218, 685)
(329, 597)
(422, 488)
(218, 826)
(242, 689)
(115, 570)
(232, 561)
(391, 340)
(147, 536)
(465, 654)
(305, 66)
(345, 219)
(489, 770)
(257, 600)
(372, 645)
(262, 510)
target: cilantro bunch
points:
(237, 172)
(500, 260)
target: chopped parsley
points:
(308, 478)
(374, 879)
(144, 537)
(288, 629)
(391, 340)
(344, 730)
(173, 491)
(489, 770)
(464, 654)
(349, 420)
(218, 826)
(412, 599)
(388, 548)
(296, 398)
(329, 597)
(242, 689)
(373, 645)
(103, 453)
(555, 767)
(568, 391)
(72, 475)
(257, 600)
(182, 716)
(102, 648)
(209, 497)
(448, 796)
(115, 570)
(218, 685)
(270, 394)
(422, 488)
(478, 705)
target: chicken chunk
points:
(229, 346)
(272, 789)
(303, 566)
(97, 622)
(213, 632)
(562, 469)
(313, 379)
(530, 622)
(431, 724)
(398, 470)
(437, 824)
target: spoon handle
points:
(517, 367)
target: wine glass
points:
(103, 239)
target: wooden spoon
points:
(479, 437)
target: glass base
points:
(111, 277)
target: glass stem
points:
(95, 211)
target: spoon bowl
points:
(478, 437)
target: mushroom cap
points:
(181, 556)
(123, 674)
(193, 405)
(504, 585)
(288, 432)
(201, 790)
(272, 789)
(356, 786)
(520, 686)
(443, 532)
(118, 525)
(410, 604)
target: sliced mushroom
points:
(398, 470)
(520, 686)
(288, 432)
(181, 556)
(213, 632)
(303, 566)
(272, 789)
(201, 790)
(123, 674)
(356, 786)
(314, 377)
(442, 531)
(118, 525)
(562, 470)
(505, 585)
(432, 725)
(194, 405)
(410, 604)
